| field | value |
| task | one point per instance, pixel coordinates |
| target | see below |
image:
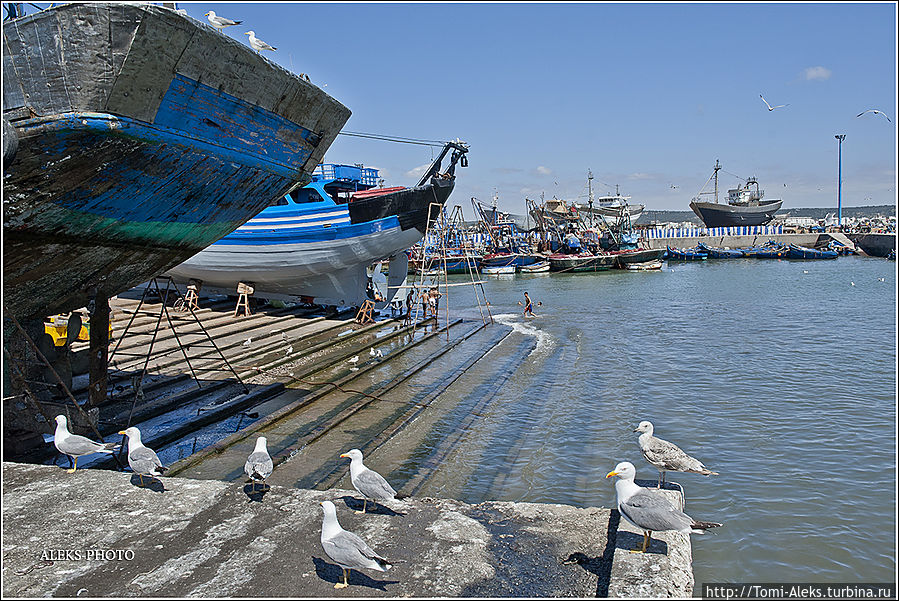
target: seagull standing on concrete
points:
(346, 548)
(648, 510)
(259, 464)
(220, 22)
(667, 456)
(143, 460)
(876, 112)
(370, 483)
(771, 108)
(258, 44)
(76, 446)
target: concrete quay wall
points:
(96, 533)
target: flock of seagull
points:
(345, 548)
(645, 508)
(874, 111)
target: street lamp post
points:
(840, 137)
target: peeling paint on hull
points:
(128, 166)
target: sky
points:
(646, 96)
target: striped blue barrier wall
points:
(693, 232)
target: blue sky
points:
(646, 96)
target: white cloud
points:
(418, 171)
(812, 73)
(544, 170)
(641, 176)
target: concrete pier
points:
(96, 533)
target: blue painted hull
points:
(128, 167)
(800, 252)
(674, 254)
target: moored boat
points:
(638, 255)
(875, 244)
(498, 269)
(645, 266)
(564, 263)
(721, 253)
(769, 250)
(794, 251)
(685, 254)
(541, 267)
(132, 123)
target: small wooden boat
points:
(541, 267)
(646, 266)
(795, 251)
(721, 253)
(769, 250)
(497, 269)
(686, 254)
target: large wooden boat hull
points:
(715, 214)
(143, 136)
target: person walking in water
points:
(528, 306)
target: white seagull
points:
(258, 44)
(370, 483)
(876, 112)
(259, 464)
(771, 108)
(220, 22)
(76, 446)
(289, 350)
(247, 342)
(346, 548)
(648, 510)
(142, 460)
(371, 352)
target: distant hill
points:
(815, 213)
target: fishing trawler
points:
(744, 205)
(314, 244)
(134, 137)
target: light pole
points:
(840, 137)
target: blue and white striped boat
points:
(315, 244)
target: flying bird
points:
(649, 510)
(259, 464)
(220, 22)
(258, 44)
(771, 108)
(143, 460)
(289, 350)
(370, 483)
(76, 446)
(876, 112)
(346, 548)
(666, 456)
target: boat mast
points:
(590, 195)
(717, 168)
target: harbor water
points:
(779, 375)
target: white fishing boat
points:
(498, 269)
(315, 244)
(541, 267)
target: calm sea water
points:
(780, 375)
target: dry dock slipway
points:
(202, 532)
